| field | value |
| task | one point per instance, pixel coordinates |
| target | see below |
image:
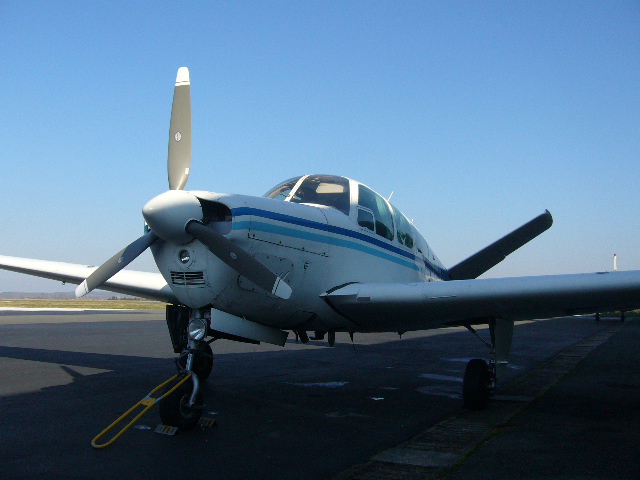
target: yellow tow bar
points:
(147, 402)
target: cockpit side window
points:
(403, 229)
(365, 219)
(282, 190)
(373, 202)
(325, 190)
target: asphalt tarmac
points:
(303, 411)
(586, 427)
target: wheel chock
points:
(147, 402)
(206, 422)
(167, 430)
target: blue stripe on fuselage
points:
(316, 237)
(271, 228)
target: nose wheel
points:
(178, 410)
(183, 408)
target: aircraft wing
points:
(141, 284)
(490, 256)
(417, 306)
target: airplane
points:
(317, 253)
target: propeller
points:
(116, 263)
(238, 259)
(179, 158)
(176, 216)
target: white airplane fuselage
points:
(313, 247)
(317, 253)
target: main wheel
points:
(476, 388)
(175, 410)
(202, 364)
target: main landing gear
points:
(480, 377)
(479, 384)
(188, 329)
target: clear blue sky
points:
(477, 115)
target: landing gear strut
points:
(202, 362)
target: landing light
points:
(198, 329)
(184, 256)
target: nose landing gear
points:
(188, 329)
(184, 407)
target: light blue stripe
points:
(335, 230)
(324, 227)
(315, 237)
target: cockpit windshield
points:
(327, 190)
(282, 190)
(372, 212)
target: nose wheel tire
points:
(476, 389)
(175, 410)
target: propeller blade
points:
(116, 263)
(240, 260)
(179, 158)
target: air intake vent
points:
(187, 278)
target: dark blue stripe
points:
(332, 229)
(321, 226)
(321, 237)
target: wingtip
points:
(183, 76)
(82, 290)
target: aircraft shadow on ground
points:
(343, 363)
(384, 364)
(360, 399)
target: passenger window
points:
(325, 190)
(422, 246)
(365, 219)
(383, 220)
(403, 229)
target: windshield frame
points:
(316, 190)
(276, 193)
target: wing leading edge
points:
(142, 284)
(406, 307)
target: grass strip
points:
(134, 304)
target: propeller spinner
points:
(176, 215)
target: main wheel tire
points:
(202, 364)
(175, 411)
(476, 389)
